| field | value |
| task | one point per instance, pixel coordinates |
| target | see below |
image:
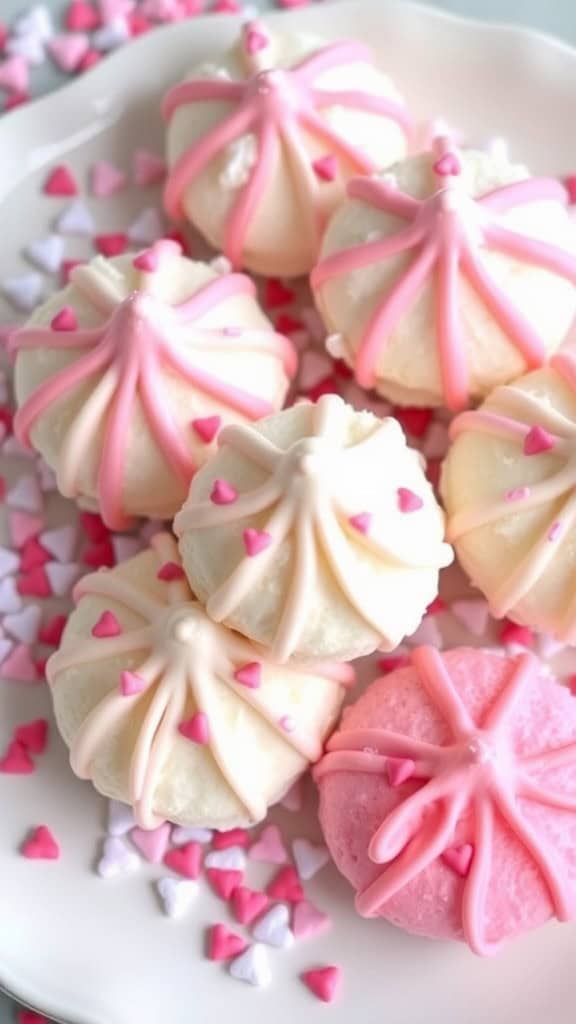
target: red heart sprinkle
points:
(33, 736)
(323, 982)
(224, 882)
(16, 760)
(41, 845)
(206, 427)
(60, 182)
(170, 571)
(185, 860)
(233, 837)
(247, 904)
(285, 886)
(224, 944)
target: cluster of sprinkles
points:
(85, 32)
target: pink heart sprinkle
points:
(459, 858)
(269, 847)
(14, 74)
(554, 532)
(147, 168)
(517, 494)
(408, 501)
(81, 17)
(247, 904)
(224, 881)
(196, 728)
(147, 261)
(65, 320)
(537, 440)
(286, 886)
(152, 843)
(255, 40)
(16, 760)
(325, 167)
(255, 541)
(20, 665)
(224, 944)
(223, 493)
(249, 675)
(23, 526)
(131, 684)
(106, 179)
(308, 921)
(68, 49)
(33, 736)
(185, 860)
(399, 770)
(206, 427)
(512, 634)
(361, 522)
(41, 845)
(106, 626)
(447, 165)
(170, 571)
(34, 583)
(323, 982)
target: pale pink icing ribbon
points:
(476, 772)
(511, 416)
(280, 106)
(129, 357)
(183, 655)
(300, 506)
(447, 234)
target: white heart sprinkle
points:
(26, 494)
(231, 859)
(252, 966)
(10, 600)
(9, 562)
(37, 22)
(76, 219)
(60, 542)
(147, 227)
(46, 477)
(28, 46)
(182, 835)
(23, 291)
(177, 895)
(13, 447)
(47, 253)
(126, 547)
(221, 265)
(335, 346)
(117, 859)
(24, 625)
(309, 857)
(274, 927)
(111, 35)
(62, 576)
(120, 818)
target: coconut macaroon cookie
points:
(448, 797)
(315, 533)
(509, 486)
(262, 139)
(179, 717)
(450, 274)
(124, 378)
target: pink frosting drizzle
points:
(513, 419)
(447, 233)
(280, 106)
(132, 351)
(475, 771)
(183, 655)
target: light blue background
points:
(554, 16)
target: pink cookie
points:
(479, 842)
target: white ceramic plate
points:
(94, 952)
